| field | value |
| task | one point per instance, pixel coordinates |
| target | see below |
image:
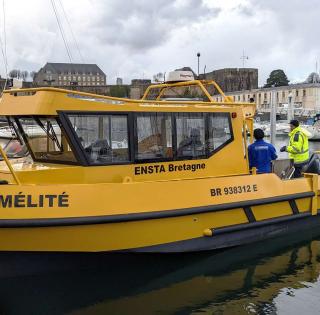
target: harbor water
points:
(277, 276)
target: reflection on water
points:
(264, 278)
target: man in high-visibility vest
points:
(298, 147)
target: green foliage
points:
(119, 91)
(277, 78)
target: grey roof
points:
(72, 67)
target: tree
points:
(313, 78)
(32, 74)
(119, 91)
(159, 77)
(24, 75)
(14, 73)
(277, 78)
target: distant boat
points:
(282, 127)
(313, 128)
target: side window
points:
(190, 135)
(219, 130)
(154, 136)
(104, 138)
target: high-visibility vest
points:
(298, 147)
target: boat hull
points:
(165, 216)
(238, 237)
(184, 230)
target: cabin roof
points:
(48, 101)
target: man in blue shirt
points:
(261, 153)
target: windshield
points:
(10, 140)
(46, 139)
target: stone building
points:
(304, 96)
(234, 79)
(138, 87)
(69, 74)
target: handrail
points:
(200, 83)
(3, 154)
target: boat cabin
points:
(80, 137)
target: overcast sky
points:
(139, 38)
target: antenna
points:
(71, 30)
(61, 30)
(244, 58)
(4, 47)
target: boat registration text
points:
(233, 190)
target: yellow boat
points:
(153, 175)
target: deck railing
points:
(13, 173)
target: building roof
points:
(81, 68)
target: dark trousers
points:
(298, 169)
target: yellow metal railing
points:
(13, 173)
(199, 83)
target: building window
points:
(98, 78)
(98, 83)
(304, 93)
(265, 95)
(190, 135)
(106, 144)
(297, 92)
(153, 136)
(79, 78)
(283, 94)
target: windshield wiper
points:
(14, 131)
(53, 135)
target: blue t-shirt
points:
(261, 154)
